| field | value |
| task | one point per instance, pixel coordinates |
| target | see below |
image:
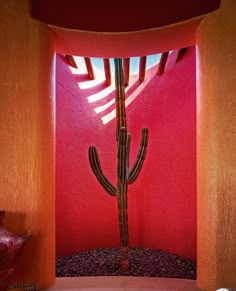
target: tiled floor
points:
(122, 284)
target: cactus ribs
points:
(124, 175)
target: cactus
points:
(125, 176)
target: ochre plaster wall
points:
(26, 138)
(162, 201)
(216, 148)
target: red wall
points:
(162, 202)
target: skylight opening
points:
(101, 71)
(152, 60)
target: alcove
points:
(27, 122)
(162, 202)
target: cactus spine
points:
(125, 176)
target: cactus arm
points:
(140, 157)
(128, 154)
(96, 168)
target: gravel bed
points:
(143, 263)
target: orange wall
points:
(26, 138)
(216, 147)
(27, 145)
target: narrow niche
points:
(150, 229)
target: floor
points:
(122, 284)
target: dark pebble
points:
(143, 263)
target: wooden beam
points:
(107, 69)
(162, 63)
(181, 53)
(71, 61)
(126, 63)
(89, 67)
(142, 68)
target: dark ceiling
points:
(118, 16)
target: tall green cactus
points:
(124, 174)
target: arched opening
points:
(68, 42)
(162, 202)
